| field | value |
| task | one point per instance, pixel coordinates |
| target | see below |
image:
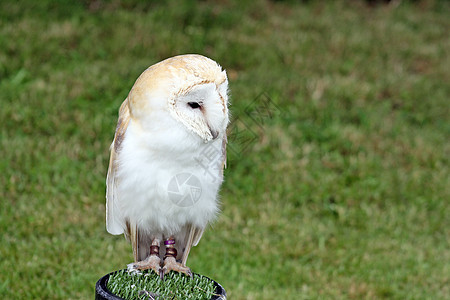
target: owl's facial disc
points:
(202, 110)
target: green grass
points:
(144, 285)
(337, 184)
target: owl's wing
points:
(113, 221)
(192, 237)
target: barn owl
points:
(167, 159)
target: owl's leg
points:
(170, 262)
(152, 262)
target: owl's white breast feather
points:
(148, 161)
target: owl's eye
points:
(194, 105)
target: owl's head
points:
(190, 88)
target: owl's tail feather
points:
(139, 242)
(194, 235)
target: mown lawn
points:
(337, 184)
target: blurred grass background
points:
(337, 184)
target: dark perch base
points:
(102, 292)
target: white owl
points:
(167, 160)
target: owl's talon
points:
(161, 273)
(170, 264)
(152, 262)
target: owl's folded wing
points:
(193, 236)
(114, 223)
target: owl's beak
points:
(214, 133)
